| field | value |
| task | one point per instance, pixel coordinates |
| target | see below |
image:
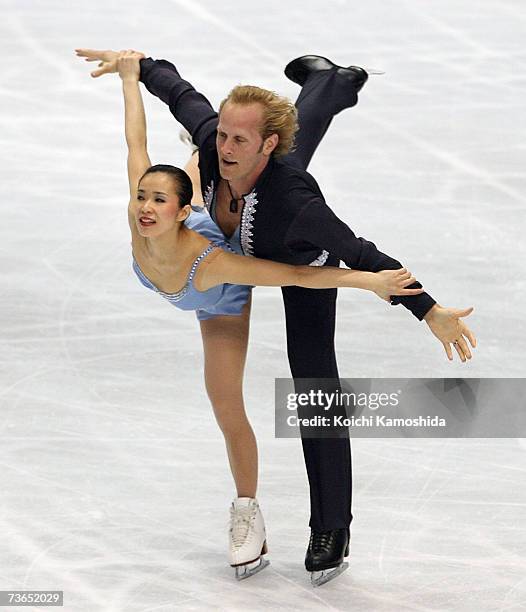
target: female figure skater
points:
(181, 254)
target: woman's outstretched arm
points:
(126, 63)
(134, 118)
(235, 269)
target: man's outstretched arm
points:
(187, 105)
(318, 225)
(161, 79)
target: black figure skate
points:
(325, 555)
(301, 68)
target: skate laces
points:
(320, 541)
(241, 523)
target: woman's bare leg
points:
(225, 341)
(192, 169)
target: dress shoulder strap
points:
(199, 259)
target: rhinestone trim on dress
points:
(179, 295)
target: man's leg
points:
(324, 94)
(310, 318)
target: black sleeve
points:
(187, 105)
(317, 224)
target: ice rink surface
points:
(115, 486)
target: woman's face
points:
(156, 207)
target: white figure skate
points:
(186, 138)
(248, 540)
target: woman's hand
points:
(446, 325)
(394, 282)
(128, 65)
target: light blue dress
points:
(220, 300)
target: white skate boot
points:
(248, 540)
(186, 138)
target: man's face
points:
(240, 147)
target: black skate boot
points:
(301, 68)
(325, 555)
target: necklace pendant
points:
(233, 205)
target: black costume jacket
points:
(285, 217)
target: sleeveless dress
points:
(225, 299)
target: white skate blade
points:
(374, 71)
(319, 578)
(248, 570)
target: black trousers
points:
(310, 318)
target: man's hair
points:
(279, 114)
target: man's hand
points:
(446, 325)
(107, 59)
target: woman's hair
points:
(279, 114)
(181, 181)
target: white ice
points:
(115, 486)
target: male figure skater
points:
(282, 215)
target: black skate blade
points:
(319, 578)
(248, 570)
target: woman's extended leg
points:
(192, 169)
(225, 341)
